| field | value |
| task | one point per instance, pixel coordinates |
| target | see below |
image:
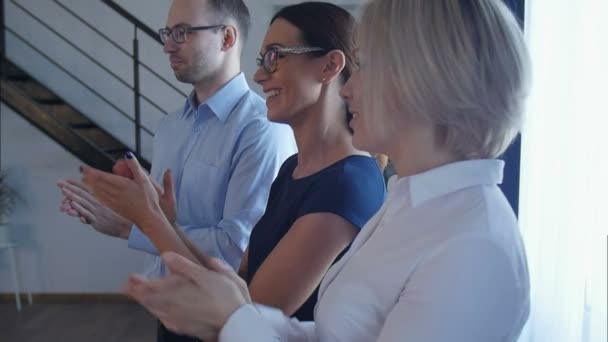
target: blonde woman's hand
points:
(194, 300)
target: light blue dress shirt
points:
(224, 155)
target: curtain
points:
(564, 170)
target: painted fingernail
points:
(81, 169)
(129, 155)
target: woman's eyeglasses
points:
(270, 59)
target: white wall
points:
(59, 253)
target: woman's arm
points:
(166, 238)
(295, 267)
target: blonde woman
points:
(439, 91)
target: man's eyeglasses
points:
(270, 59)
(178, 33)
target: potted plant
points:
(8, 198)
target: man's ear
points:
(231, 36)
(335, 61)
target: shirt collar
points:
(224, 100)
(449, 178)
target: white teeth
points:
(271, 93)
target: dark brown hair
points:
(326, 26)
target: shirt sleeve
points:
(262, 149)
(264, 324)
(466, 291)
(355, 194)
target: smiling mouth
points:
(271, 93)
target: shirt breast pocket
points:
(202, 192)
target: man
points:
(221, 150)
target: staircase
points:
(60, 121)
(77, 131)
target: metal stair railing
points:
(138, 27)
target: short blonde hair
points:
(460, 65)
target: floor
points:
(76, 322)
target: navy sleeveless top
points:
(352, 188)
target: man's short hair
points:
(235, 9)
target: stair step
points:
(38, 92)
(65, 114)
(99, 138)
(84, 125)
(55, 101)
(11, 72)
(18, 78)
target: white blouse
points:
(442, 260)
